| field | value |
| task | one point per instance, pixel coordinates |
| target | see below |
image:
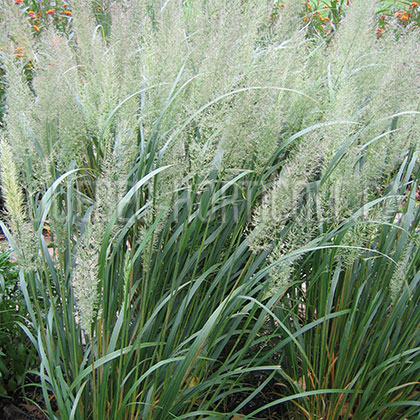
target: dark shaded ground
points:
(272, 392)
(17, 409)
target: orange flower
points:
(36, 28)
(306, 18)
(31, 13)
(379, 31)
(18, 55)
(18, 1)
(404, 18)
(50, 11)
(67, 13)
(281, 4)
(19, 49)
(327, 19)
(414, 4)
(64, 5)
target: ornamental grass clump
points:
(232, 212)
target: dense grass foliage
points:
(232, 211)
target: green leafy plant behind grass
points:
(225, 202)
(17, 356)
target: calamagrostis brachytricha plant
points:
(225, 197)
